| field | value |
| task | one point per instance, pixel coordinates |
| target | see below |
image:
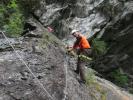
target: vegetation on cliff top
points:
(12, 19)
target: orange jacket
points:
(81, 43)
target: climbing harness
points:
(83, 57)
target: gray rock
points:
(53, 68)
(118, 35)
(4, 45)
(47, 59)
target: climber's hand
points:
(72, 53)
(69, 48)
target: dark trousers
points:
(81, 63)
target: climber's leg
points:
(78, 66)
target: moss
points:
(103, 96)
(90, 77)
(94, 86)
(96, 89)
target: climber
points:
(82, 47)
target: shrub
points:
(2, 17)
(99, 47)
(90, 76)
(11, 18)
(94, 86)
(119, 77)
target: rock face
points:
(50, 75)
(88, 16)
(118, 35)
(112, 19)
(46, 58)
(62, 16)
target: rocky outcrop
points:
(62, 16)
(45, 55)
(117, 33)
(40, 70)
(112, 19)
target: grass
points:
(93, 85)
(90, 76)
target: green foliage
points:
(131, 90)
(119, 78)
(11, 18)
(94, 86)
(12, 5)
(2, 18)
(99, 47)
(90, 76)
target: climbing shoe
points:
(82, 81)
